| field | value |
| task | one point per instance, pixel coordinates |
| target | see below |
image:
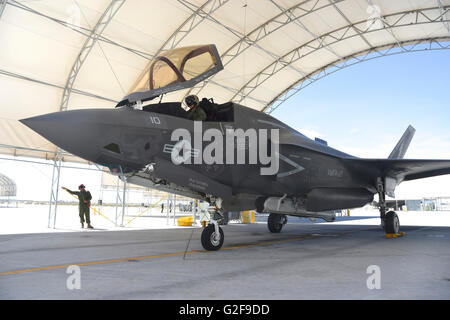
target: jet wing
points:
(402, 169)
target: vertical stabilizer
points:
(402, 146)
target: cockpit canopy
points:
(174, 70)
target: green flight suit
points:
(197, 114)
(83, 208)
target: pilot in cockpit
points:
(195, 111)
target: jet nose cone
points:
(74, 131)
(39, 124)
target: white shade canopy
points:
(58, 55)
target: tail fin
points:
(403, 144)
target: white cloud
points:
(354, 131)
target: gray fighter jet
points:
(236, 159)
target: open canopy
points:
(174, 70)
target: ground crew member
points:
(84, 198)
(195, 111)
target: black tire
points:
(391, 223)
(274, 222)
(208, 241)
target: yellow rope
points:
(94, 209)
(129, 221)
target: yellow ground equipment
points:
(185, 221)
(248, 216)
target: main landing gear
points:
(212, 235)
(389, 220)
(275, 222)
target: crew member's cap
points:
(81, 186)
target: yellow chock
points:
(185, 221)
(247, 216)
(203, 224)
(394, 235)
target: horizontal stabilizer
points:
(403, 144)
(400, 169)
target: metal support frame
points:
(203, 15)
(89, 43)
(76, 91)
(294, 15)
(326, 40)
(382, 19)
(199, 14)
(251, 39)
(79, 29)
(2, 7)
(357, 30)
(118, 200)
(195, 19)
(124, 200)
(301, 25)
(53, 202)
(443, 16)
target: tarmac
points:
(347, 259)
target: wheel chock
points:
(394, 235)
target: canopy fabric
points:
(72, 54)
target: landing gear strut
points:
(212, 235)
(275, 222)
(389, 220)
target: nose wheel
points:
(212, 237)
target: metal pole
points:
(124, 200)
(2, 6)
(167, 209)
(174, 209)
(194, 211)
(53, 203)
(117, 199)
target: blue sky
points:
(367, 107)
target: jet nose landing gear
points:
(212, 237)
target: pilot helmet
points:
(191, 100)
(81, 186)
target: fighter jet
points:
(236, 158)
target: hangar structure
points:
(59, 55)
(8, 187)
